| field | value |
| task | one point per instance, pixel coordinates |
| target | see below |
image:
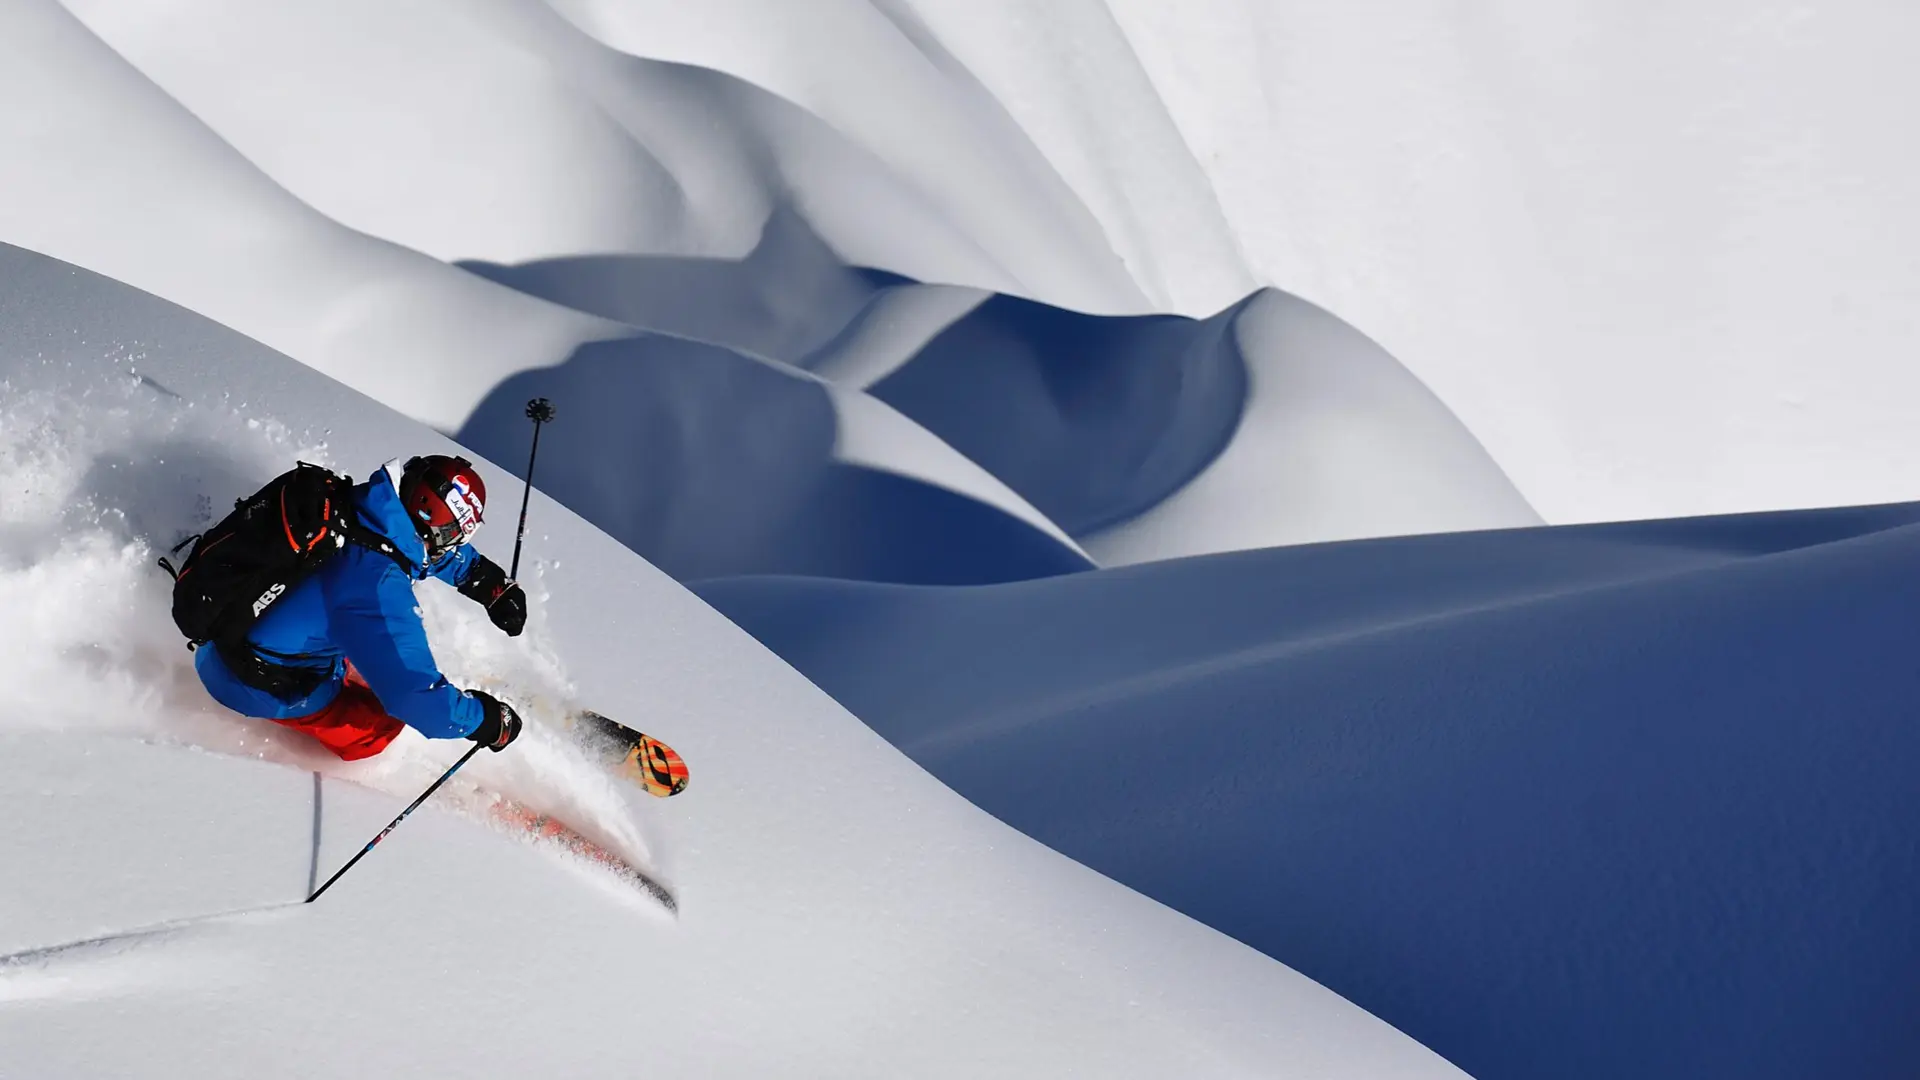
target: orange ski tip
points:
(657, 767)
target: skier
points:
(343, 656)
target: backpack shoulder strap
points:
(348, 524)
(359, 534)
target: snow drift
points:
(1142, 437)
(1657, 263)
(202, 226)
(709, 462)
(879, 281)
(1609, 247)
(840, 913)
(1152, 437)
(612, 192)
(1581, 802)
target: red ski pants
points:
(354, 725)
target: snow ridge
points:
(830, 922)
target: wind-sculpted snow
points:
(420, 336)
(608, 191)
(787, 298)
(1093, 420)
(1337, 440)
(1612, 246)
(1579, 802)
(103, 170)
(1518, 234)
(840, 913)
(966, 292)
(949, 437)
(1151, 437)
(501, 132)
(709, 462)
(1033, 125)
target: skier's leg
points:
(354, 725)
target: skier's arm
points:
(481, 580)
(506, 603)
(376, 622)
(457, 565)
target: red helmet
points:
(445, 498)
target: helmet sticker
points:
(459, 500)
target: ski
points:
(546, 829)
(646, 761)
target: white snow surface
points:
(104, 170)
(1659, 263)
(1655, 264)
(522, 137)
(1616, 264)
(1337, 442)
(302, 180)
(841, 913)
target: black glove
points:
(506, 602)
(499, 724)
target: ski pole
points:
(395, 823)
(540, 411)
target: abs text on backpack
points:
(273, 539)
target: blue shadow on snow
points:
(1601, 801)
(708, 463)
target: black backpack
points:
(273, 539)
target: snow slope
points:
(1588, 801)
(103, 170)
(867, 291)
(1144, 437)
(1336, 440)
(1657, 263)
(1158, 436)
(1608, 245)
(840, 913)
(898, 79)
(525, 139)
(709, 462)
(200, 225)
(631, 192)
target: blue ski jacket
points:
(359, 606)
